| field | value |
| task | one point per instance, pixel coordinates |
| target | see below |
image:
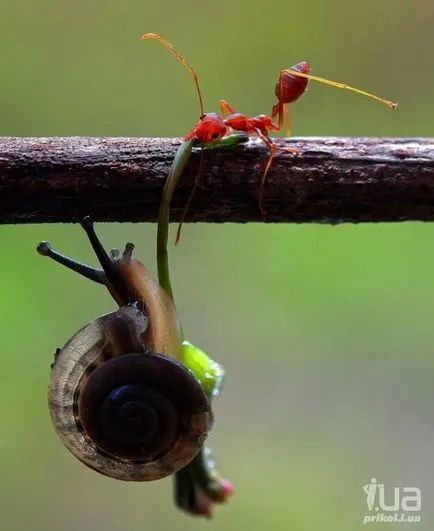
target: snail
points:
(119, 397)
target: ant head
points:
(209, 128)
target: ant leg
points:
(287, 121)
(179, 162)
(226, 109)
(190, 197)
(284, 121)
(280, 105)
(270, 144)
(273, 127)
(275, 110)
(96, 275)
(273, 150)
(262, 185)
(281, 109)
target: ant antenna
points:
(343, 86)
(181, 59)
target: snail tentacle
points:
(114, 254)
(96, 275)
(121, 287)
(101, 253)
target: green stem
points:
(200, 473)
(179, 163)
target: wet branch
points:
(120, 179)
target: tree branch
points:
(121, 179)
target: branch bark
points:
(121, 179)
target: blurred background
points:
(326, 333)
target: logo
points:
(392, 504)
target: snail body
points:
(119, 397)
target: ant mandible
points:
(211, 127)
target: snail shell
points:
(118, 398)
(130, 414)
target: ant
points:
(211, 127)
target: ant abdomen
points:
(290, 87)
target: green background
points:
(326, 333)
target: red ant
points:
(290, 87)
